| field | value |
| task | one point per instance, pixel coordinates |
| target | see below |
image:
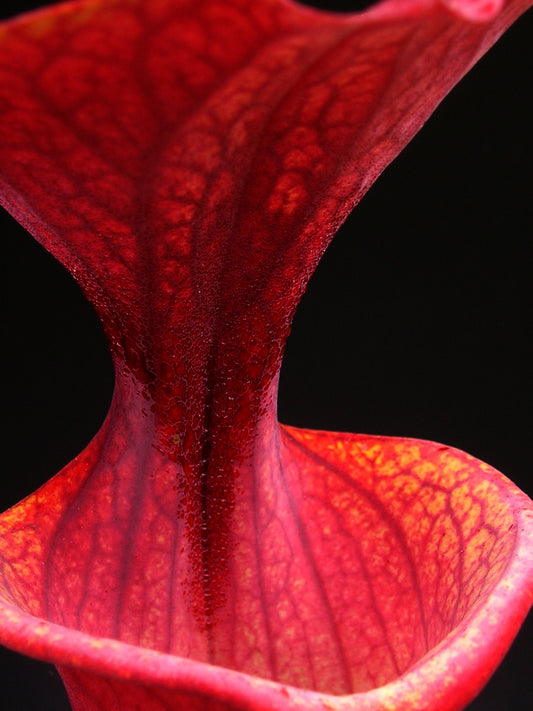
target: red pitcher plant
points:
(189, 161)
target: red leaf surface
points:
(189, 163)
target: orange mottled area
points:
(409, 537)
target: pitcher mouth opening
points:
(483, 635)
(480, 632)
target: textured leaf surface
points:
(189, 163)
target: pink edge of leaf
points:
(475, 10)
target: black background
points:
(417, 323)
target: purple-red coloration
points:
(189, 162)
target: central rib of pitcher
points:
(193, 421)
